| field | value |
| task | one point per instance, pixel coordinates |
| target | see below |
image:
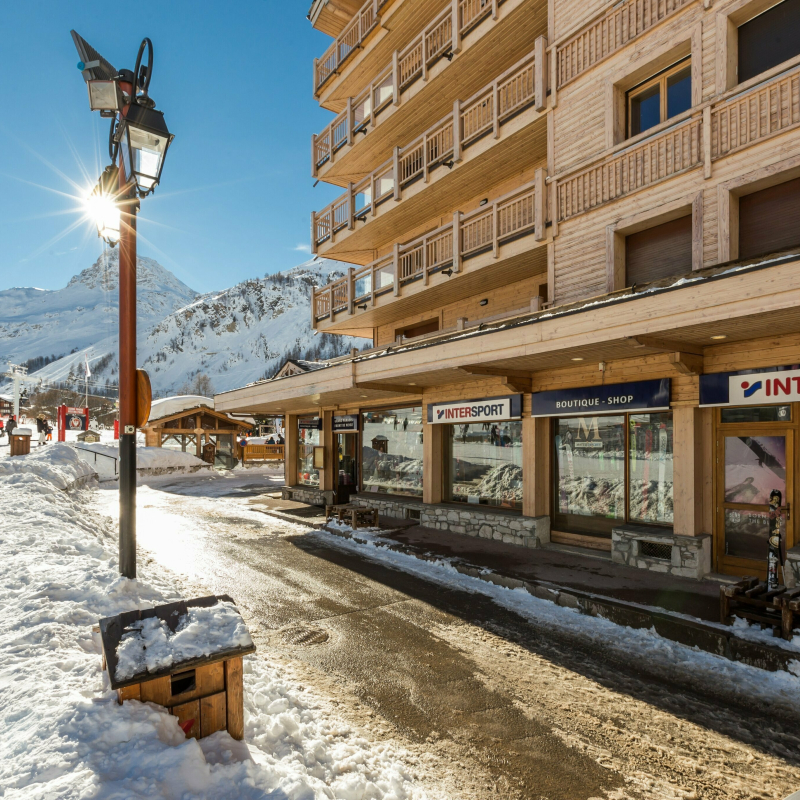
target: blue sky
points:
(234, 81)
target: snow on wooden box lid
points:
(150, 643)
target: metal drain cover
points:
(304, 636)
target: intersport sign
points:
(487, 409)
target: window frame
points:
(662, 80)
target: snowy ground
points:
(65, 736)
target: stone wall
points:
(308, 494)
(475, 521)
(689, 556)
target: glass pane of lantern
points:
(148, 152)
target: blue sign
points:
(763, 386)
(310, 423)
(346, 423)
(609, 399)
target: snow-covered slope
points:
(233, 337)
(39, 323)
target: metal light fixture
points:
(484, 201)
(102, 205)
(143, 139)
(447, 272)
(448, 164)
(484, 302)
(363, 307)
(105, 96)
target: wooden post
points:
(327, 474)
(535, 473)
(494, 9)
(313, 307)
(349, 111)
(396, 170)
(313, 233)
(456, 241)
(432, 458)
(457, 132)
(331, 156)
(495, 111)
(313, 155)
(495, 232)
(373, 206)
(234, 691)
(351, 288)
(316, 69)
(554, 78)
(539, 203)
(456, 28)
(396, 261)
(687, 461)
(424, 55)
(351, 207)
(425, 177)
(395, 78)
(290, 470)
(425, 262)
(540, 73)
(707, 142)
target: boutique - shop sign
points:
(310, 424)
(609, 399)
(346, 423)
(777, 385)
(487, 409)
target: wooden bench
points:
(262, 453)
(355, 516)
(751, 600)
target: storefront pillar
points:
(326, 440)
(687, 471)
(536, 467)
(290, 436)
(432, 463)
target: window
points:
(659, 252)
(769, 39)
(485, 464)
(613, 469)
(660, 98)
(769, 220)
(420, 329)
(392, 451)
(308, 439)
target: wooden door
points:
(751, 462)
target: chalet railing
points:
(347, 41)
(665, 154)
(621, 25)
(439, 39)
(763, 111)
(485, 112)
(481, 230)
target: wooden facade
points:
(508, 235)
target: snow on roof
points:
(174, 405)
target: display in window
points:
(392, 451)
(650, 468)
(486, 464)
(308, 439)
(754, 467)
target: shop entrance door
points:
(751, 464)
(347, 466)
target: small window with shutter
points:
(769, 220)
(769, 39)
(659, 252)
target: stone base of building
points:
(466, 520)
(661, 551)
(792, 568)
(308, 494)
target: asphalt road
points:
(497, 707)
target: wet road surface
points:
(504, 709)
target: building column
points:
(535, 467)
(326, 439)
(687, 471)
(432, 460)
(290, 450)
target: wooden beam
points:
(390, 387)
(478, 369)
(687, 363)
(518, 385)
(668, 345)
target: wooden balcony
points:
(339, 153)
(492, 117)
(474, 244)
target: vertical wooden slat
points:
(234, 688)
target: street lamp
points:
(138, 143)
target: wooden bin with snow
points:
(185, 656)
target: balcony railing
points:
(598, 40)
(481, 230)
(439, 39)
(484, 113)
(347, 41)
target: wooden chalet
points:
(574, 237)
(193, 428)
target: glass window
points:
(392, 451)
(650, 468)
(486, 463)
(308, 439)
(757, 414)
(754, 466)
(590, 454)
(660, 98)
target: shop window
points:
(769, 39)
(660, 98)
(611, 470)
(392, 451)
(485, 464)
(308, 439)
(769, 220)
(756, 414)
(420, 329)
(659, 252)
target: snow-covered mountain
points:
(233, 337)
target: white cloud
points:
(302, 248)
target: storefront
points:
(612, 456)
(482, 458)
(756, 424)
(308, 435)
(345, 442)
(392, 451)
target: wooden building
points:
(205, 693)
(573, 230)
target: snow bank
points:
(174, 405)
(150, 457)
(65, 736)
(150, 645)
(56, 464)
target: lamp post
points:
(138, 144)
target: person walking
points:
(41, 428)
(10, 425)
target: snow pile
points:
(174, 405)
(57, 464)
(64, 734)
(150, 457)
(150, 645)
